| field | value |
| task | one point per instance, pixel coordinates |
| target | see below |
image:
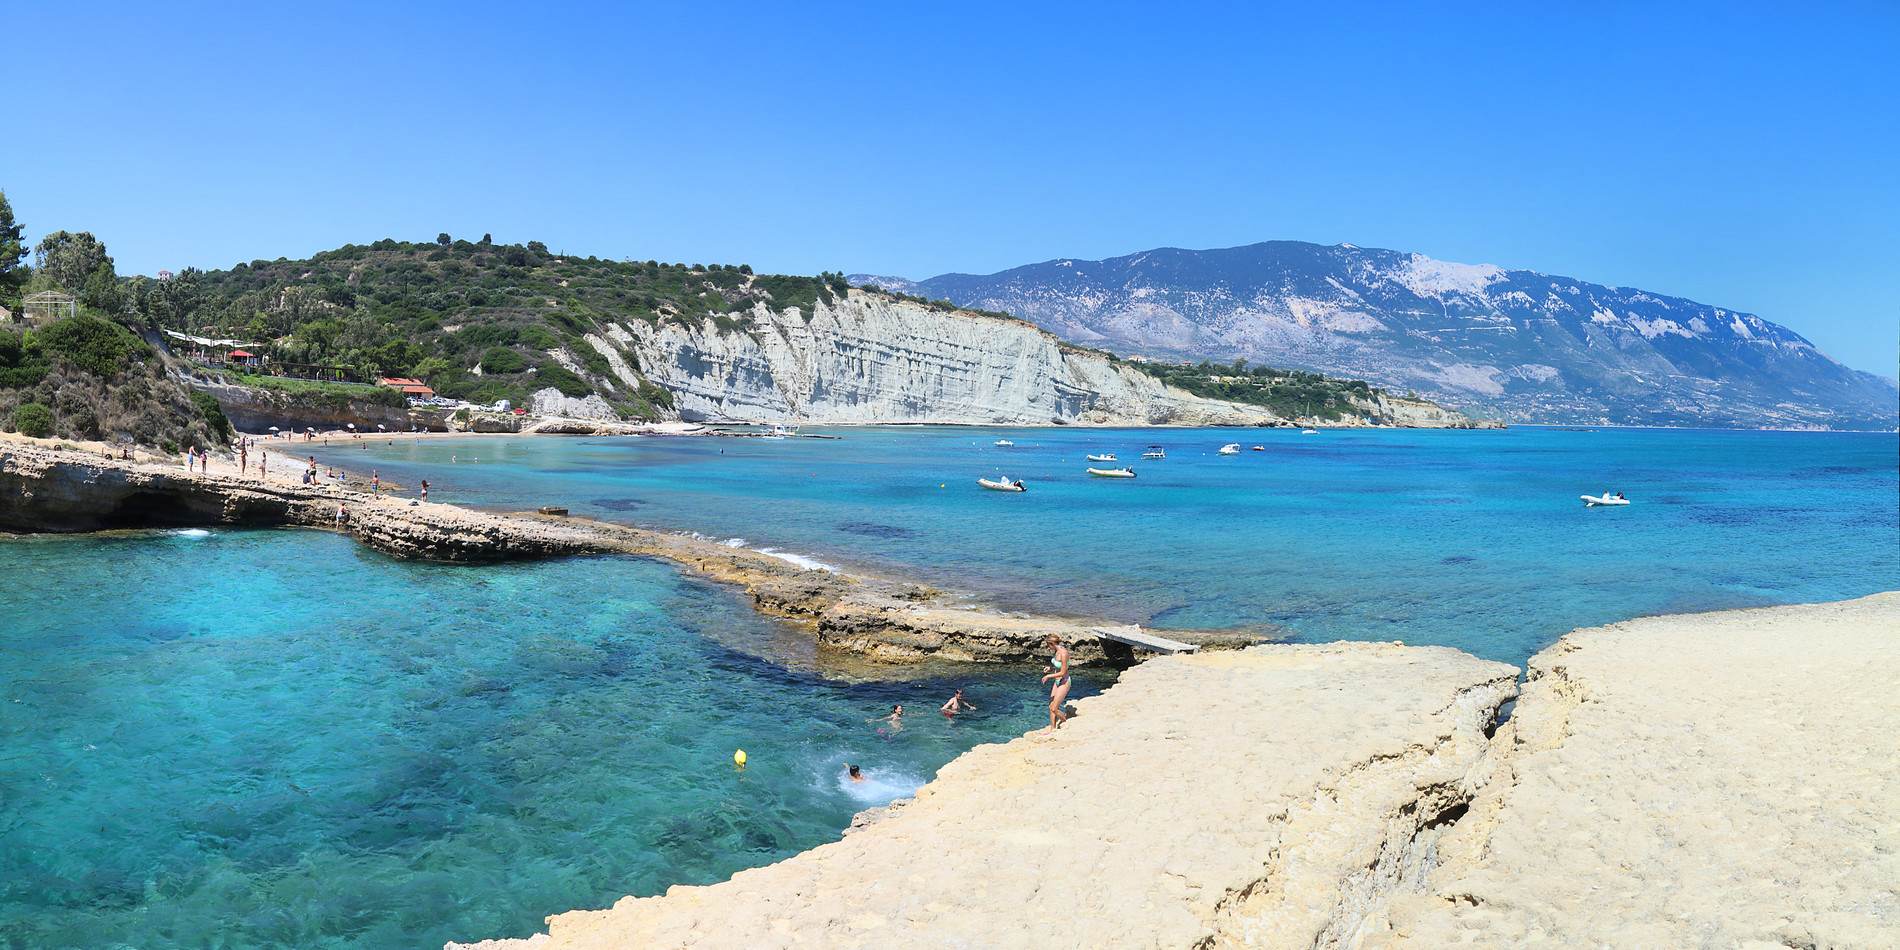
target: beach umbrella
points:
(352, 425)
(273, 428)
(379, 425)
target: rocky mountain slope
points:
(867, 358)
(1514, 345)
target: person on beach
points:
(342, 516)
(956, 705)
(425, 489)
(1058, 670)
(852, 770)
(375, 482)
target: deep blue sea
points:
(280, 739)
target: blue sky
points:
(1737, 154)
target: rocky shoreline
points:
(43, 489)
(1716, 780)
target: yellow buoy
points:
(738, 758)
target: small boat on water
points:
(1259, 448)
(779, 432)
(1004, 442)
(1309, 432)
(1231, 448)
(1154, 452)
(1104, 457)
(1113, 472)
(1604, 500)
(1001, 484)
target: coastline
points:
(1423, 823)
(1378, 803)
(872, 618)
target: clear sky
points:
(1741, 155)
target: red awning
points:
(239, 353)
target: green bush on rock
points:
(33, 419)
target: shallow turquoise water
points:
(1471, 539)
(280, 739)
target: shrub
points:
(595, 361)
(500, 360)
(98, 347)
(213, 416)
(539, 337)
(561, 378)
(20, 367)
(655, 394)
(33, 419)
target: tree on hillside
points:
(13, 274)
(442, 238)
(71, 258)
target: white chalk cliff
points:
(870, 359)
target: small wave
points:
(879, 787)
(734, 542)
(190, 533)
(798, 559)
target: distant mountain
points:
(1513, 345)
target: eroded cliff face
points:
(255, 410)
(868, 359)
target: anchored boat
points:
(1231, 448)
(1113, 472)
(1001, 485)
(1605, 500)
(1105, 457)
(1154, 452)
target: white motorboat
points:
(1001, 485)
(1154, 452)
(1607, 499)
(1104, 457)
(1231, 448)
(1004, 442)
(1309, 432)
(1113, 472)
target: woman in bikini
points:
(1058, 670)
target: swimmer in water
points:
(956, 705)
(896, 719)
(856, 776)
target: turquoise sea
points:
(279, 739)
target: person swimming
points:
(896, 719)
(852, 770)
(956, 705)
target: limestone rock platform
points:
(1712, 780)
(1271, 796)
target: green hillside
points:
(475, 320)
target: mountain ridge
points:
(1518, 345)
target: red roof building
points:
(413, 388)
